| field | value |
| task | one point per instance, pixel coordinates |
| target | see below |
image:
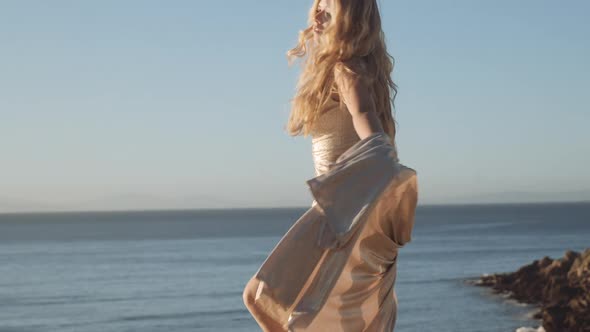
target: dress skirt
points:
(335, 268)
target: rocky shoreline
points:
(560, 287)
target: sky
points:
(183, 104)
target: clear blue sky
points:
(147, 104)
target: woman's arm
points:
(356, 94)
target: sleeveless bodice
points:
(332, 134)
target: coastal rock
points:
(561, 287)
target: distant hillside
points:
(140, 201)
(523, 197)
(9, 204)
(119, 202)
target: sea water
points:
(185, 270)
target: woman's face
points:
(323, 15)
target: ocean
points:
(181, 271)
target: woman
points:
(335, 268)
(348, 63)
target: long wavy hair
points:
(354, 34)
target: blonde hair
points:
(355, 34)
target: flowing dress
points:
(335, 268)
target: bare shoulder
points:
(355, 66)
(351, 69)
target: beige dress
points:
(304, 286)
(333, 134)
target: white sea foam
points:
(513, 301)
(530, 314)
(530, 329)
